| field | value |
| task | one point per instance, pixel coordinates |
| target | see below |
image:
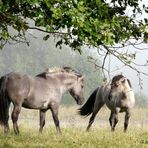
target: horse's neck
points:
(106, 86)
(104, 90)
(69, 82)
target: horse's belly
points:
(36, 103)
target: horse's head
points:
(77, 90)
(119, 86)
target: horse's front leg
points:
(14, 116)
(54, 109)
(114, 119)
(42, 119)
(111, 120)
(127, 116)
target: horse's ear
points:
(122, 80)
(129, 83)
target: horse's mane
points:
(118, 77)
(70, 70)
(53, 70)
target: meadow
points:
(73, 131)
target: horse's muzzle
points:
(80, 101)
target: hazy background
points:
(41, 54)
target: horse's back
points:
(17, 85)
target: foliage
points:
(107, 25)
(77, 22)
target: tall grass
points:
(73, 131)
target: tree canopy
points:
(104, 24)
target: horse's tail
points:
(87, 108)
(4, 101)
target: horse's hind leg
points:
(91, 120)
(42, 119)
(97, 107)
(127, 116)
(6, 126)
(54, 110)
(14, 116)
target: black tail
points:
(4, 102)
(87, 108)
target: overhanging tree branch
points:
(45, 31)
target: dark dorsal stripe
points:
(69, 70)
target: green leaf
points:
(45, 38)
(5, 35)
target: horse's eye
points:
(82, 86)
(114, 85)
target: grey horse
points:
(41, 92)
(118, 97)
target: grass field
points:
(74, 134)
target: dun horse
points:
(42, 92)
(118, 96)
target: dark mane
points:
(57, 69)
(43, 75)
(116, 78)
(69, 69)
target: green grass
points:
(73, 131)
(75, 138)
